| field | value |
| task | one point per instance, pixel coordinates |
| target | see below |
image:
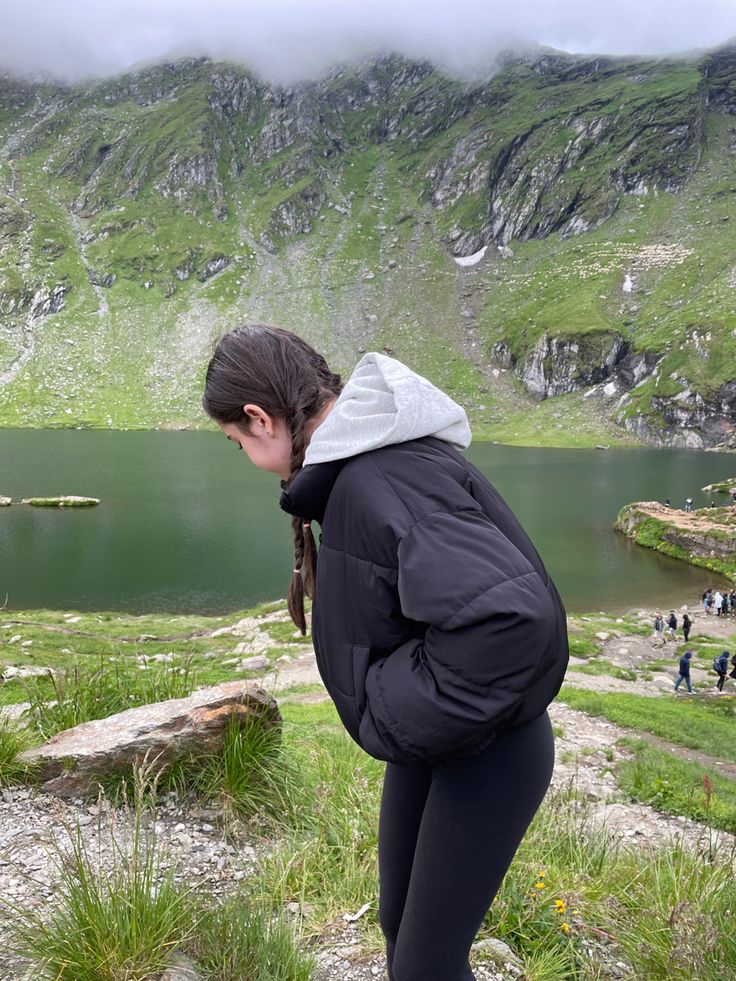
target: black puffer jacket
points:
(435, 622)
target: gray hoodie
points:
(382, 403)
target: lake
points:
(186, 524)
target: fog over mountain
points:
(289, 40)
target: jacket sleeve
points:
(491, 630)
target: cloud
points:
(292, 39)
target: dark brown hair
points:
(283, 375)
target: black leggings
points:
(446, 838)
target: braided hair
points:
(283, 375)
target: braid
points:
(300, 584)
(282, 373)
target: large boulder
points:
(72, 761)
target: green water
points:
(186, 524)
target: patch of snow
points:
(628, 283)
(471, 260)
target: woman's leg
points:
(405, 790)
(476, 813)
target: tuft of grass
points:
(678, 786)
(106, 924)
(237, 940)
(252, 774)
(14, 739)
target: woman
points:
(437, 631)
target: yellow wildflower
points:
(565, 927)
(540, 885)
(541, 874)
(560, 904)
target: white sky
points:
(292, 39)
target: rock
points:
(5, 502)
(602, 635)
(70, 762)
(181, 968)
(15, 711)
(260, 642)
(559, 365)
(500, 951)
(25, 671)
(101, 279)
(69, 501)
(253, 663)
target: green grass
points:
(13, 740)
(678, 786)
(603, 667)
(705, 726)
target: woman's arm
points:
(492, 629)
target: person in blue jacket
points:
(684, 674)
(438, 633)
(721, 666)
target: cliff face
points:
(119, 197)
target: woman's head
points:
(266, 388)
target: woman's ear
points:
(260, 422)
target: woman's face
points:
(266, 441)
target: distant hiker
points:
(732, 672)
(718, 602)
(666, 502)
(686, 627)
(684, 674)
(672, 626)
(707, 599)
(720, 666)
(658, 628)
(732, 599)
(689, 504)
(726, 607)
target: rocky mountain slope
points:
(554, 245)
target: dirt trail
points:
(700, 521)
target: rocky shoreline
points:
(705, 538)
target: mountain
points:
(593, 199)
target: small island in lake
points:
(70, 501)
(706, 537)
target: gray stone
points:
(71, 762)
(181, 968)
(253, 663)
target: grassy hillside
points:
(141, 216)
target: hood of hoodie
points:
(382, 403)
